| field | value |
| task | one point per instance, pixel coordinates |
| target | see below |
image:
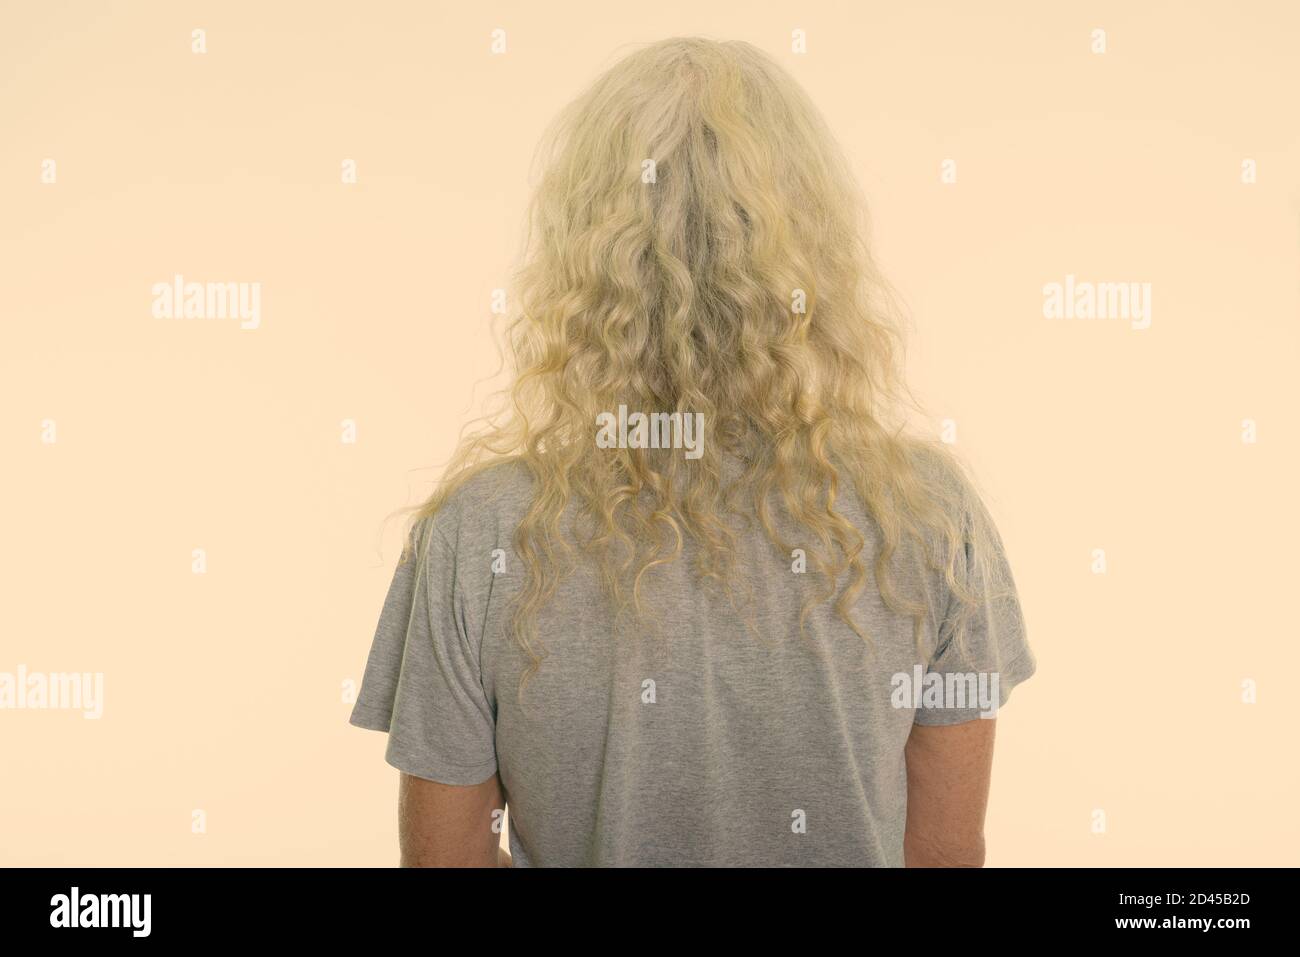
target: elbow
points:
(919, 851)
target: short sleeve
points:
(977, 677)
(422, 683)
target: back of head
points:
(696, 251)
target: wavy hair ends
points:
(697, 243)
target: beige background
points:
(225, 691)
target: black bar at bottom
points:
(459, 908)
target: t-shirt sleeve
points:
(423, 683)
(995, 655)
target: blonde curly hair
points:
(697, 243)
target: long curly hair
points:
(697, 244)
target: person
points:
(697, 593)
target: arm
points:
(445, 825)
(948, 769)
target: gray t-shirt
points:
(704, 745)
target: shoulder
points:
(484, 504)
(959, 529)
(941, 471)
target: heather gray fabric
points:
(705, 745)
